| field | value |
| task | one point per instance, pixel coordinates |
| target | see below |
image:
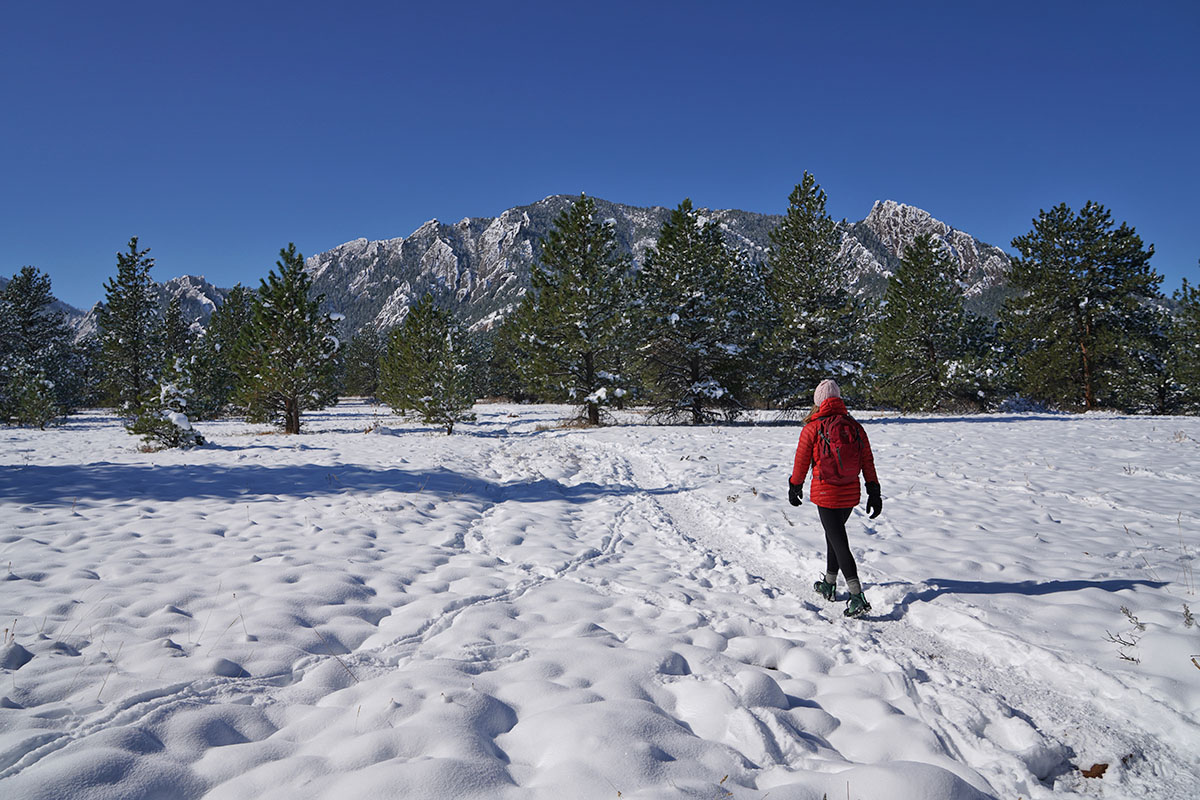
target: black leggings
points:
(837, 546)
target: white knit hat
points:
(826, 389)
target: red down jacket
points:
(824, 494)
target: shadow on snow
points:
(941, 587)
(106, 481)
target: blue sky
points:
(218, 132)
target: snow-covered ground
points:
(524, 610)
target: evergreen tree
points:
(501, 355)
(33, 332)
(1184, 353)
(285, 362)
(128, 329)
(162, 419)
(175, 334)
(424, 371)
(572, 322)
(978, 378)
(361, 363)
(30, 397)
(86, 381)
(35, 352)
(696, 301)
(815, 321)
(921, 333)
(1146, 384)
(1083, 314)
(212, 366)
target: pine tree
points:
(1084, 311)
(34, 332)
(128, 322)
(572, 322)
(1146, 384)
(1184, 353)
(921, 332)
(424, 370)
(285, 362)
(500, 356)
(214, 356)
(815, 321)
(978, 378)
(696, 307)
(361, 363)
(86, 379)
(35, 352)
(174, 333)
(162, 419)
(30, 398)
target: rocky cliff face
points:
(985, 266)
(481, 265)
(198, 300)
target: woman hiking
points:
(835, 445)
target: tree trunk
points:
(589, 371)
(291, 416)
(1089, 390)
(1089, 394)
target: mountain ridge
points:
(481, 265)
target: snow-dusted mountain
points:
(483, 264)
(198, 300)
(876, 243)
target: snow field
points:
(522, 610)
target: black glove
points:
(795, 492)
(874, 501)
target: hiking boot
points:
(857, 606)
(826, 590)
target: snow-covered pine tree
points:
(424, 369)
(815, 322)
(361, 363)
(29, 398)
(162, 419)
(978, 378)
(35, 352)
(285, 363)
(128, 322)
(499, 355)
(486, 367)
(573, 320)
(695, 302)
(215, 353)
(1082, 313)
(919, 335)
(85, 384)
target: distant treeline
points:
(701, 332)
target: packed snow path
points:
(525, 610)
